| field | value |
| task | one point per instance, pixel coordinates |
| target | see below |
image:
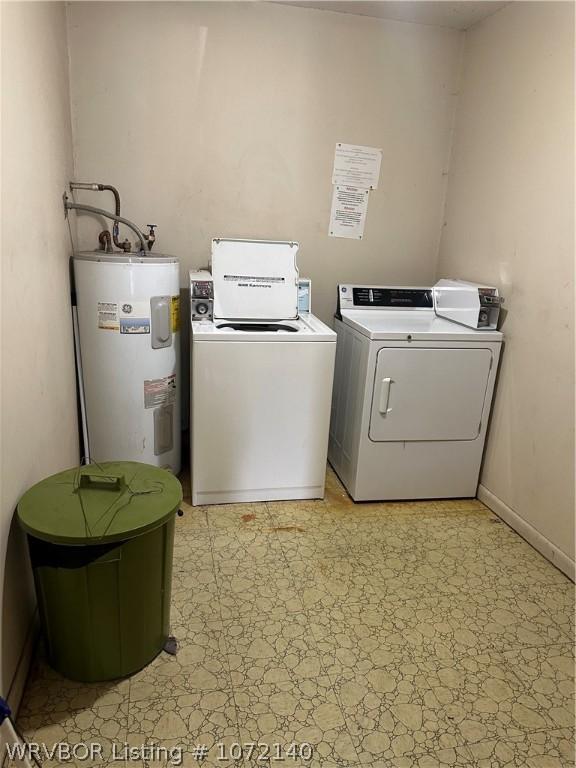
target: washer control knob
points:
(201, 308)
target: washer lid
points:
(255, 279)
(306, 328)
(423, 326)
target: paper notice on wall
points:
(356, 166)
(348, 214)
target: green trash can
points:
(101, 540)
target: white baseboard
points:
(535, 538)
(18, 683)
(16, 690)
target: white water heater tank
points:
(129, 330)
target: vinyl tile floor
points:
(395, 634)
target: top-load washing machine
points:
(412, 396)
(261, 379)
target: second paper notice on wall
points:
(356, 171)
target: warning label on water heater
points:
(159, 391)
(134, 317)
(108, 318)
(175, 313)
(128, 317)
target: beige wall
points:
(221, 119)
(38, 430)
(510, 221)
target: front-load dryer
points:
(261, 382)
(412, 396)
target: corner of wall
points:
(456, 98)
(72, 223)
(40, 426)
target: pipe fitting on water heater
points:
(104, 238)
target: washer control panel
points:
(201, 295)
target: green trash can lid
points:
(100, 503)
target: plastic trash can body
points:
(105, 605)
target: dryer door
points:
(429, 393)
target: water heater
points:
(129, 332)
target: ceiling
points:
(460, 15)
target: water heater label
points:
(108, 316)
(175, 313)
(133, 325)
(128, 317)
(159, 391)
(134, 317)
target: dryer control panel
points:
(404, 297)
(201, 295)
(472, 304)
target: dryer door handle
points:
(385, 396)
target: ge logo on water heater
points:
(127, 308)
